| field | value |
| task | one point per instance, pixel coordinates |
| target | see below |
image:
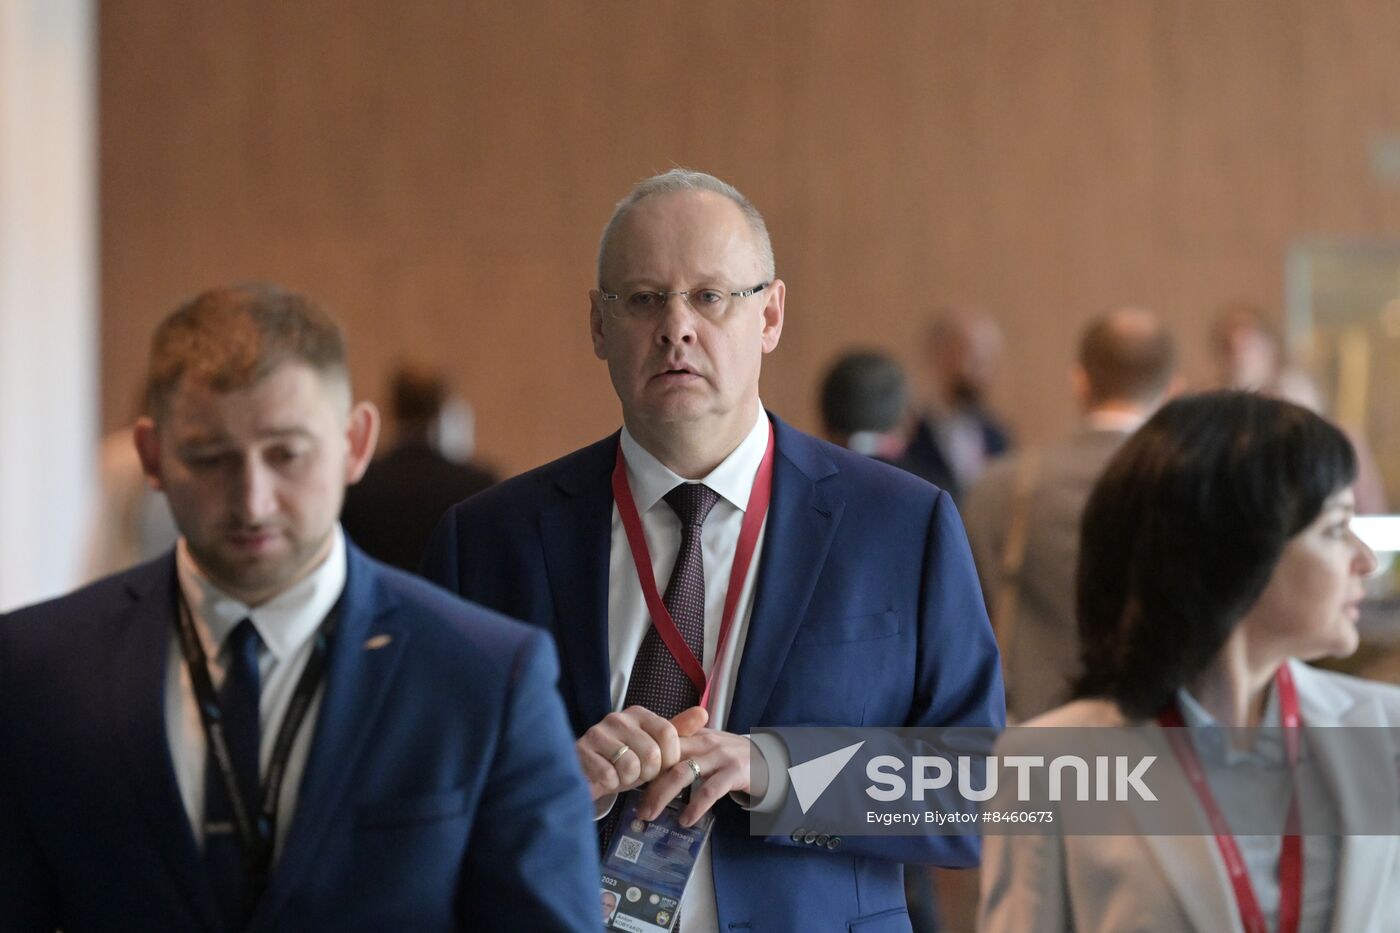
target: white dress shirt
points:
(629, 620)
(286, 624)
(963, 440)
(1254, 786)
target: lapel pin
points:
(378, 641)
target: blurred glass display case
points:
(1342, 325)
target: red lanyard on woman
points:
(1290, 866)
(754, 514)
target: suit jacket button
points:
(822, 839)
(833, 843)
(797, 835)
(810, 838)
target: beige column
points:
(48, 293)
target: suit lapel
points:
(1196, 875)
(802, 520)
(1187, 856)
(358, 678)
(576, 535)
(138, 644)
(1348, 736)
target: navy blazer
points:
(441, 790)
(867, 612)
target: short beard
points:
(967, 393)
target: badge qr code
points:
(629, 849)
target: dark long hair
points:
(1183, 531)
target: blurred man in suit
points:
(865, 408)
(1023, 516)
(390, 513)
(264, 729)
(958, 435)
(857, 603)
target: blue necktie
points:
(238, 701)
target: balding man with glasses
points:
(708, 570)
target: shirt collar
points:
(284, 623)
(651, 479)
(1212, 739)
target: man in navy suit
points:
(266, 729)
(804, 584)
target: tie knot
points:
(243, 641)
(692, 502)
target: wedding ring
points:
(694, 768)
(617, 755)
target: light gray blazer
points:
(1143, 884)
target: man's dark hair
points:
(1182, 533)
(232, 338)
(418, 395)
(863, 391)
(1127, 355)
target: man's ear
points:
(362, 434)
(773, 315)
(147, 441)
(595, 323)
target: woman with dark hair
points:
(1216, 555)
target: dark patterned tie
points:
(657, 681)
(238, 702)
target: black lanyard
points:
(257, 836)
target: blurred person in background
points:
(865, 408)
(131, 521)
(1217, 557)
(391, 513)
(1249, 355)
(957, 435)
(1023, 515)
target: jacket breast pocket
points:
(866, 627)
(405, 811)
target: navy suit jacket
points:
(924, 456)
(867, 612)
(441, 791)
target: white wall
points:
(48, 289)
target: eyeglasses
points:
(708, 301)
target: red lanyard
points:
(1290, 866)
(754, 514)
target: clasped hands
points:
(635, 746)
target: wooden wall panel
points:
(437, 172)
